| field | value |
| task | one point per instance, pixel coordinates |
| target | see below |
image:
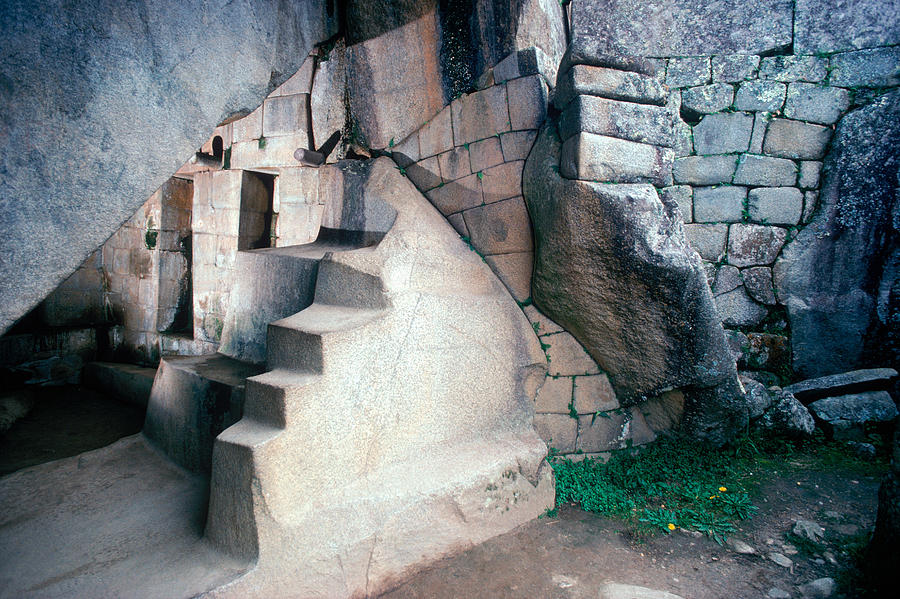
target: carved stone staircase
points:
(393, 424)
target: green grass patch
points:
(678, 483)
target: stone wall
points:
(752, 136)
(758, 96)
(468, 161)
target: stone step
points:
(870, 379)
(194, 398)
(299, 342)
(127, 382)
(272, 283)
(343, 285)
(273, 394)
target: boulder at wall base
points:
(612, 266)
(787, 417)
(836, 278)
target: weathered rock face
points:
(104, 100)
(836, 278)
(787, 417)
(845, 416)
(643, 28)
(613, 268)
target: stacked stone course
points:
(748, 167)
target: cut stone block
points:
(407, 151)
(642, 123)
(299, 83)
(275, 151)
(545, 326)
(707, 240)
(687, 72)
(793, 68)
(425, 174)
(810, 201)
(723, 133)
(594, 394)
(866, 68)
(727, 278)
(454, 164)
(530, 60)
(248, 128)
(502, 181)
(459, 224)
(285, 115)
(767, 96)
(602, 432)
(500, 228)
(765, 170)
(732, 68)
(704, 170)
(753, 245)
(566, 356)
(527, 102)
(557, 430)
(684, 142)
(809, 174)
(486, 153)
(459, 195)
(776, 205)
(706, 99)
(855, 381)
(794, 139)
(436, 136)
(614, 84)
(554, 396)
(758, 283)
(737, 309)
(719, 204)
(816, 104)
(480, 115)
(760, 124)
(591, 157)
(516, 145)
(681, 196)
(514, 270)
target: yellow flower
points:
(671, 526)
(713, 496)
(723, 489)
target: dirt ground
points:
(568, 556)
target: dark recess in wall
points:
(457, 50)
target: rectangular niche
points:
(256, 229)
